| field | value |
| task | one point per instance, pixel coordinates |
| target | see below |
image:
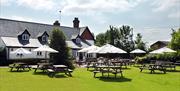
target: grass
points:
(83, 80)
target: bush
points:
(173, 57)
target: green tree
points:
(58, 42)
(139, 44)
(126, 38)
(121, 37)
(100, 39)
(113, 35)
(175, 41)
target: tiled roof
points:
(73, 45)
(10, 28)
(14, 42)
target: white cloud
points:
(5, 2)
(37, 4)
(98, 6)
(172, 7)
(28, 19)
(174, 15)
(163, 5)
(21, 18)
(152, 34)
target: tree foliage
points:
(100, 39)
(139, 44)
(121, 37)
(175, 41)
(126, 38)
(58, 42)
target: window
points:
(12, 49)
(44, 38)
(39, 53)
(25, 37)
(77, 54)
(78, 40)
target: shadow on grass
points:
(113, 79)
(155, 73)
(172, 70)
(19, 71)
(40, 73)
(60, 76)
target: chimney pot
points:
(76, 22)
(56, 23)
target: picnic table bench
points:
(153, 67)
(59, 69)
(169, 65)
(108, 69)
(42, 66)
(19, 66)
(177, 63)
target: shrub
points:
(173, 57)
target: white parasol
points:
(109, 49)
(162, 50)
(45, 49)
(136, 51)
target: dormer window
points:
(78, 40)
(25, 37)
(44, 38)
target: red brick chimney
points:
(76, 22)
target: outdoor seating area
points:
(48, 68)
(55, 69)
(83, 79)
(105, 65)
(158, 65)
(108, 69)
(19, 66)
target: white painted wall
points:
(27, 56)
(90, 41)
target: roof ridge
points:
(25, 21)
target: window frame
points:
(39, 53)
(78, 40)
(25, 37)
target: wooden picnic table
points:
(59, 69)
(108, 69)
(19, 66)
(153, 67)
(42, 66)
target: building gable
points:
(86, 34)
(159, 44)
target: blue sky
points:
(152, 18)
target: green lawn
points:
(83, 80)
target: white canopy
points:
(109, 49)
(136, 51)
(45, 48)
(162, 50)
(21, 51)
(89, 49)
